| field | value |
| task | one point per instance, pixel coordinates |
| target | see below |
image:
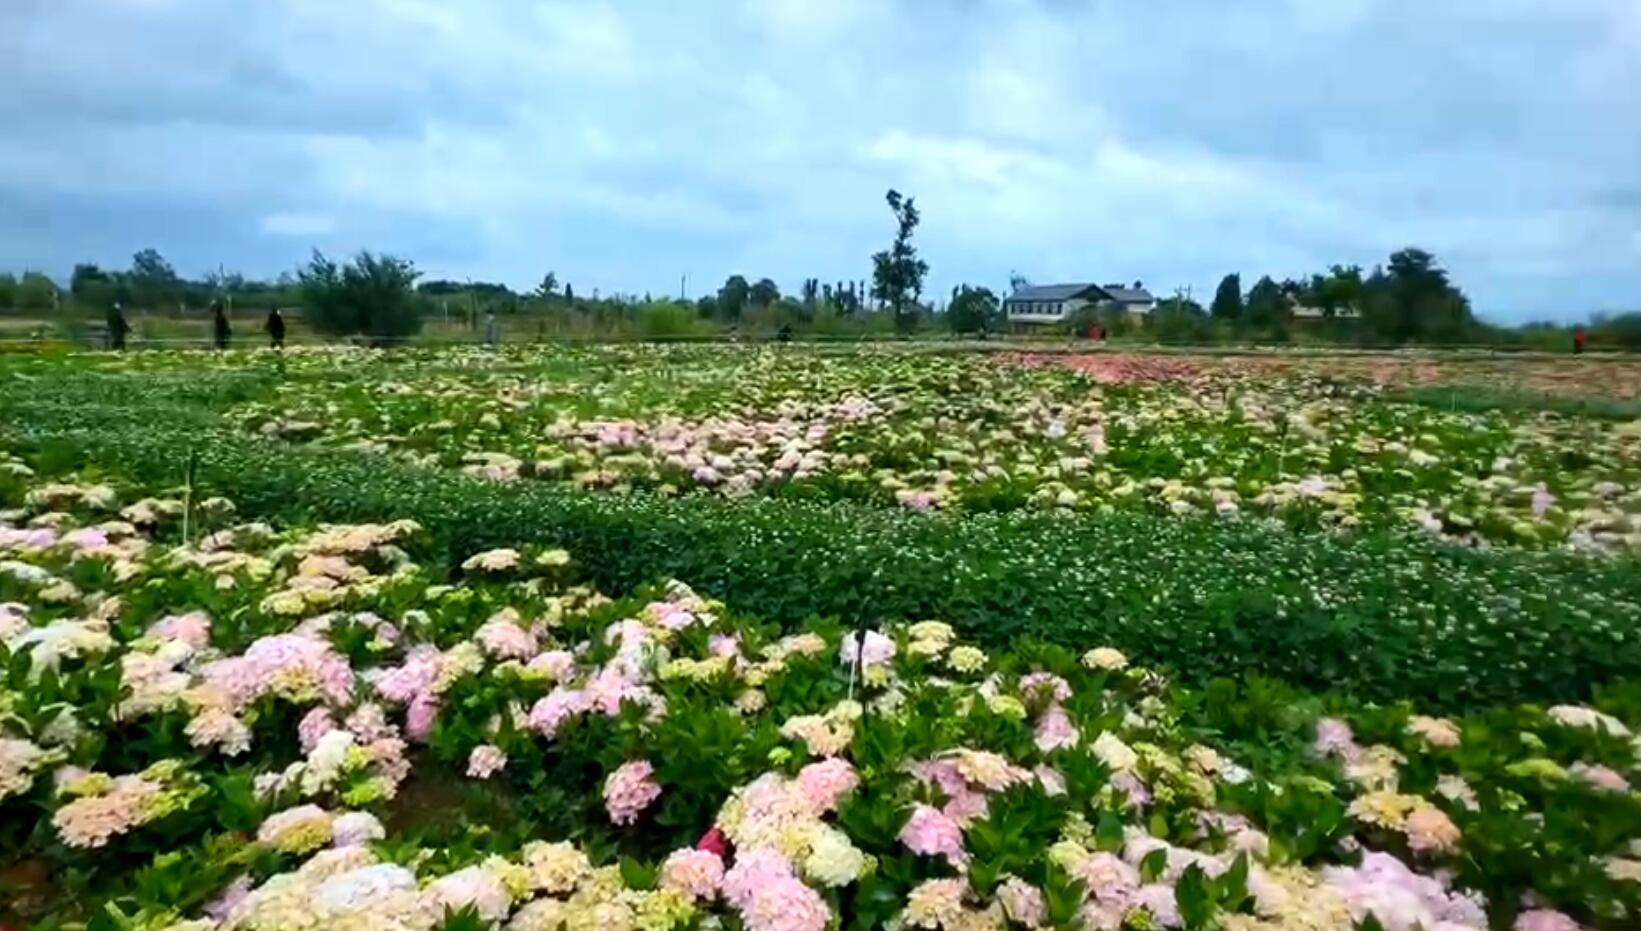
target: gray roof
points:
(1056, 292)
(1129, 295)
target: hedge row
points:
(1382, 616)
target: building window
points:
(1059, 308)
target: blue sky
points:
(625, 144)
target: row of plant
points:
(1384, 615)
(208, 722)
(1303, 441)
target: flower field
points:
(975, 433)
(213, 722)
(712, 637)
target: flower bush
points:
(304, 725)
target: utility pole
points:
(683, 287)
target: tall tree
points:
(1340, 289)
(1228, 298)
(897, 273)
(733, 297)
(548, 289)
(1267, 305)
(36, 291)
(764, 294)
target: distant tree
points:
(1228, 298)
(1180, 320)
(764, 294)
(733, 297)
(707, 307)
(154, 283)
(548, 289)
(973, 310)
(1340, 289)
(811, 292)
(1018, 281)
(8, 290)
(569, 295)
(372, 296)
(36, 292)
(897, 273)
(1267, 306)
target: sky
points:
(633, 146)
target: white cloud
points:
(622, 142)
(298, 225)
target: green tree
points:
(372, 296)
(973, 310)
(764, 294)
(1340, 289)
(36, 291)
(548, 289)
(733, 297)
(154, 283)
(1267, 306)
(897, 272)
(1227, 303)
(8, 291)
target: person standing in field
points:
(491, 334)
(276, 328)
(1578, 341)
(219, 325)
(117, 327)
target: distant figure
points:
(491, 334)
(1578, 341)
(117, 327)
(219, 325)
(785, 333)
(276, 328)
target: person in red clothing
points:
(1578, 341)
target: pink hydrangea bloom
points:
(763, 888)
(1334, 738)
(485, 761)
(629, 790)
(193, 628)
(1039, 685)
(930, 833)
(1400, 898)
(826, 783)
(419, 717)
(557, 664)
(504, 639)
(314, 725)
(558, 706)
(1158, 899)
(1545, 919)
(297, 667)
(695, 873)
(415, 677)
(879, 651)
(1055, 730)
(1022, 902)
(1600, 777)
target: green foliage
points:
(1228, 298)
(1267, 309)
(733, 298)
(897, 273)
(764, 294)
(974, 310)
(372, 296)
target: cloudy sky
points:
(624, 144)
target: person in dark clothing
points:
(784, 334)
(117, 327)
(219, 325)
(276, 328)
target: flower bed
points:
(1382, 616)
(1311, 441)
(268, 726)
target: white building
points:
(1052, 303)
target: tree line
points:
(1410, 299)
